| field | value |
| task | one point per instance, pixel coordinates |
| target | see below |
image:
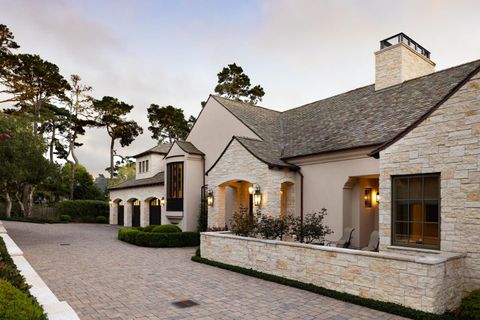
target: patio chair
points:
(373, 243)
(344, 241)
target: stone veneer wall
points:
(399, 63)
(446, 142)
(424, 283)
(237, 163)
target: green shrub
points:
(10, 273)
(159, 240)
(101, 219)
(17, 305)
(128, 235)
(166, 228)
(150, 228)
(30, 219)
(65, 218)
(313, 227)
(83, 210)
(470, 307)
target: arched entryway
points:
(120, 213)
(155, 212)
(136, 213)
(235, 196)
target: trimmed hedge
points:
(30, 219)
(101, 219)
(388, 307)
(166, 228)
(17, 305)
(470, 307)
(83, 210)
(158, 240)
(16, 302)
(65, 218)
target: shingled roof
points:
(157, 179)
(358, 118)
(162, 148)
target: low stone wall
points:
(428, 283)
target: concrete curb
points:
(55, 309)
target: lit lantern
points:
(110, 203)
(250, 189)
(257, 197)
(368, 197)
(210, 198)
(377, 197)
(162, 201)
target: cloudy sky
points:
(169, 52)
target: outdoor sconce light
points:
(162, 201)
(110, 203)
(377, 197)
(257, 197)
(368, 197)
(210, 198)
(250, 189)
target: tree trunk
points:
(20, 203)
(8, 205)
(29, 200)
(52, 142)
(112, 145)
(74, 164)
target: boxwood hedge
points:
(140, 237)
(83, 210)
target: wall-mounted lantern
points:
(250, 189)
(110, 203)
(377, 197)
(368, 197)
(162, 201)
(210, 198)
(257, 196)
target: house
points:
(400, 156)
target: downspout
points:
(301, 204)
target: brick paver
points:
(103, 278)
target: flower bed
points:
(159, 237)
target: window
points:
(175, 186)
(146, 165)
(416, 210)
(139, 167)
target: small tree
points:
(274, 227)
(312, 228)
(243, 224)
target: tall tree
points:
(81, 115)
(112, 116)
(233, 83)
(7, 43)
(23, 165)
(168, 123)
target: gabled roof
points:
(188, 147)
(161, 148)
(157, 179)
(358, 118)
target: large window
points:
(175, 186)
(416, 210)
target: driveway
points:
(104, 278)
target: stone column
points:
(145, 213)
(113, 213)
(216, 214)
(127, 214)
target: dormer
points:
(151, 161)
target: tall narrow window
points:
(175, 186)
(416, 210)
(146, 165)
(139, 166)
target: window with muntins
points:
(416, 211)
(175, 186)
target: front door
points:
(136, 214)
(155, 212)
(120, 215)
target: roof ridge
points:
(245, 103)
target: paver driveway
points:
(103, 278)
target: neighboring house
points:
(400, 156)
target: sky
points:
(169, 52)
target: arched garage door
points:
(120, 214)
(155, 212)
(136, 213)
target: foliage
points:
(122, 173)
(168, 123)
(158, 240)
(65, 218)
(274, 227)
(149, 228)
(101, 219)
(84, 186)
(17, 305)
(470, 306)
(9, 272)
(112, 113)
(30, 219)
(313, 227)
(7, 42)
(389, 307)
(243, 224)
(203, 216)
(233, 83)
(83, 210)
(166, 228)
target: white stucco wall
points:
(324, 180)
(156, 164)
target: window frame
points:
(175, 189)
(394, 220)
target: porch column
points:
(127, 214)
(145, 213)
(113, 213)
(216, 214)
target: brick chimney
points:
(400, 59)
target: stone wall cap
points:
(442, 257)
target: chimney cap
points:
(403, 38)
